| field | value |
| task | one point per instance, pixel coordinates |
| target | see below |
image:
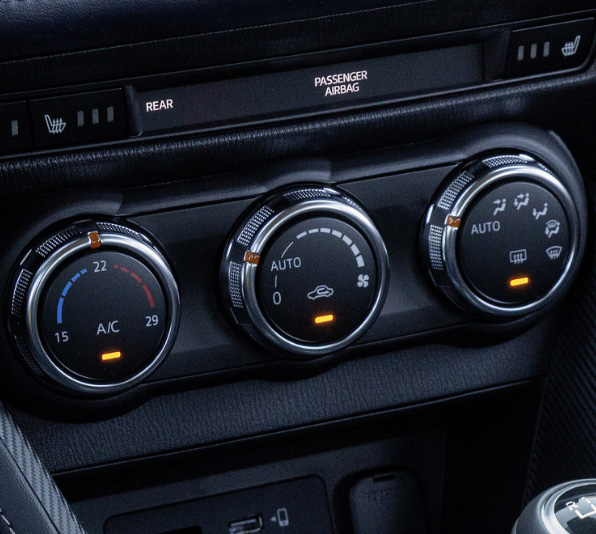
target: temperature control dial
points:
(306, 272)
(502, 236)
(94, 307)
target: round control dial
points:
(94, 308)
(306, 272)
(501, 236)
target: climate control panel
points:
(310, 264)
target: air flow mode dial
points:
(94, 308)
(305, 272)
(501, 236)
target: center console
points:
(297, 268)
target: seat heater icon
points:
(570, 48)
(55, 126)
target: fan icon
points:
(363, 280)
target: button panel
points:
(177, 104)
(549, 48)
(78, 119)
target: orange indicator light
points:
(321, 319)
(517, 282)
(107, 356)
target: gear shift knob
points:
(568, 508)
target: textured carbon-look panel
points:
(565, 445)
(37, 476)
(200, 417)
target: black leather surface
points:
(217, 414)
(40, 27)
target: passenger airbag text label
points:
(342, 83)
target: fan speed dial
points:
(305, 272)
